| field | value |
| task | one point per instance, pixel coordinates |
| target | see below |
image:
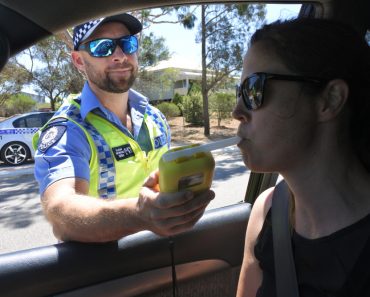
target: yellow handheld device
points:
(190, 167)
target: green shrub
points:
(169, 110)
(221, 105)
(193, 108)
(195, 87)
(177, 99)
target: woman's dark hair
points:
(328, 49)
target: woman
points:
(304, 109)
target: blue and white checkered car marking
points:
(18, 131)
(107, 172)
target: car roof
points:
(23, 23)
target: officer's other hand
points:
(170, 213)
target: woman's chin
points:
(245, 160)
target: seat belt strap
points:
(285, 274)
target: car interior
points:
(202, 262)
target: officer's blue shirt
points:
(70, 155)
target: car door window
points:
(46, 117)
(19, 123)
(31, 121)
(230, 178)
(34, 121)
(180, 71)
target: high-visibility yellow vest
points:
(118, 166)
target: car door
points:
(28, 124)
(206, 261)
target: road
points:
(23, 226)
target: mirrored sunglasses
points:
(105, 47)
(252, 88)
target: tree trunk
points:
(204, 75)
(52, 104)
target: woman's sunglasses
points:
(252, 88)
(105, 47)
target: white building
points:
(186, 72)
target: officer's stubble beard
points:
(105, 82)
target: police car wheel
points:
(15, 153)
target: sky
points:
(181, 42)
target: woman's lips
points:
(243, 142)
(241, 138)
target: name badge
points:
(123, 152)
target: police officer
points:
(106, 144)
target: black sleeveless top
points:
(327, 266)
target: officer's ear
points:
(78, 61)
(332, 99)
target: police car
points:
(16, 135)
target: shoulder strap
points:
(285, 274)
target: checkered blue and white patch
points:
(107, 171)
(18, 131)
(160, 141)
(83, 31)
(161, 123)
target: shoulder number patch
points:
(50, 136)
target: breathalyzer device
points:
(190, 167)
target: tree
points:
(19, 103)
(152, 50)
(184, 15)
(52, 72)
(12, 79)
(47, 67)
(223, 32)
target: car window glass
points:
(46, 117)
(19, 123)
(31, 121)
(163, 78)
(181, 73)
